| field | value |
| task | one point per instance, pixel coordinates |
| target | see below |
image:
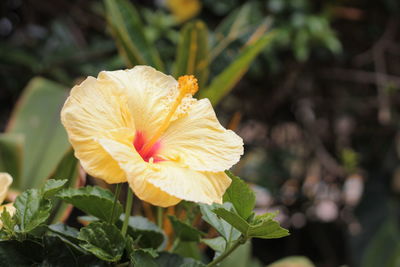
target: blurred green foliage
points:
(350, 160)
(295, 261)
(34, 146)
(303, 29)
(384, 248)
(192, 55)
(35, 122)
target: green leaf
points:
(218, 244)
(31, 210)
(67, 234)
(7, 220)
(184, 231)
(51, 187)
(233, 219)
(188, 250)
(241, 196)
(104, 240)
(64, 230)
(297, 261)
(57, 253)
(173, 260)
(11, 155)
(91, 260)
(266, 216)
(67, 168)
(267, 229)
(265, 226)
(92, 200)
(223, 83)
(237, 23)
(225, 229)
(143, 231)
(15, 253)
(7, 231)
(246, 22)
(192, 52)
(384, 248)
(45, 140)
(127, 29)
(141, 257)
(149, 234)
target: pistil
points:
(187, 84)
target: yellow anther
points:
(187, 84)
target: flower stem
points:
(128, 210)
(116, 196)
(160, 217)
(221, 257)
(175, 244)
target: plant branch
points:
(306, 117)
(221, 257)
(175, 244)
(116, 196)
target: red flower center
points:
(139, 144)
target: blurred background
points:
(311, 86)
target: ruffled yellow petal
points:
(199, 141)
(5, 182)
(148, 93)
(187, 184)
(165, 183)
(98, 109)
(152, 194)
(136, 168)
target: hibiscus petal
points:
(148, 92)
(136, 169)
(187, 184)
(152, 194)
(165, 183)
(97, 109)
(5, 182)
(198, 140)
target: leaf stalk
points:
(221, 257)
(116, 196)
(128, 210)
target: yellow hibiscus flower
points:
(143, 127)
(5, 182)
